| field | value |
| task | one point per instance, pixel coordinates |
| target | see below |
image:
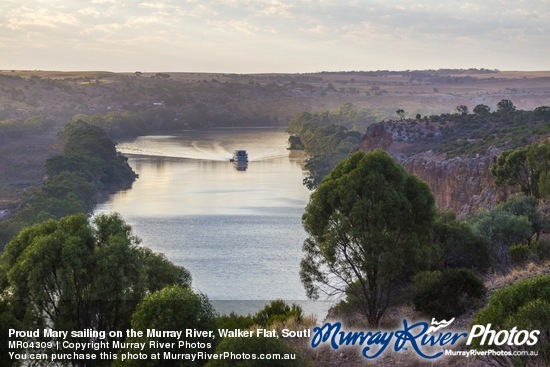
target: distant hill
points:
(35, 105)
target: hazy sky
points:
(248, 36)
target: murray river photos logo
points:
(427, 340)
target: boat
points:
(239, 156)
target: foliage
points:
(290, 357)
(524, 305)
(528, 167)
(502, 229)
(72, 274)
(173, 308)
(277, 310)
(524, 205)
(474, 133)
(448, 293)
(90, 162)
(366, 223)
(90, 146)
(324, 137)
(512, 229)
(459, 246)
(234, 321)
(482, 109)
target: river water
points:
(237, 229)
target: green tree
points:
(173, 308)
(506, 107)
(459, 246)
(482, 109)
(73, 274)
(448, 293)
(524, 305)
(502, 229)
(277, 310)
(367, 224)
(523, 205)
(527, 167)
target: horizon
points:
(271, 72)
(273, 36)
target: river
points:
(237, 229)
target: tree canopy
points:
(74, 274)
(527, 167)
(173, 308)
(367, 224)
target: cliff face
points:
(461, 184)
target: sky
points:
(260, 36)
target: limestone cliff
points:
(460, 183)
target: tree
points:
(459, 246)
(448, 293)
(173, 308)
(462, 109)
(73, 274)
(505, 107)
(502, 229)
(367, 224)
(277, 310)
(482, 109)
(525, 306)
(401, 113)
(527, 167)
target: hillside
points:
(35, 105)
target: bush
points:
(290, 357)
(448, 293)
(234, 321)
(520, 253)
(277, 310)
(524, 305)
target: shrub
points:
(447, 293)
(257, 346)
(525, 306)
(277, 310)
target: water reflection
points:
(237, 228)
(240, 166)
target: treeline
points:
(473, 132)
(121, 124)
(89, 163)
(325, 138)
(328, 137)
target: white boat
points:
(239, 156)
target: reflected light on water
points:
(239, 232)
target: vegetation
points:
(367, 225)
(512, 226)
(470, 134)
(74, 274)
(523, 306)
(259, 346)
(173, 308)
(459, 246)
(89, 163)
(325, 139)
(527, 167)
(448, 293)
